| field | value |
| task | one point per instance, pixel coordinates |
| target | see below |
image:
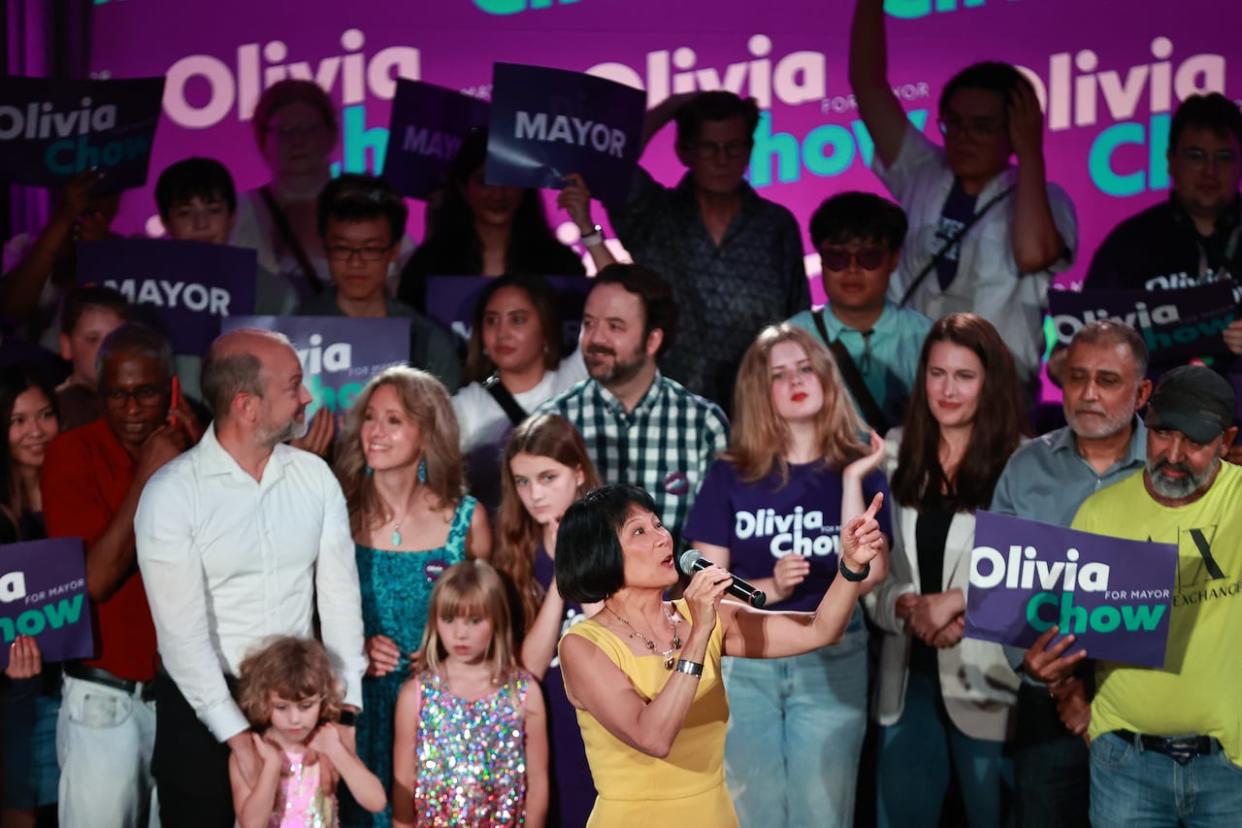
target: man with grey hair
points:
(239, 539)
(92, 479)
(1047, 479)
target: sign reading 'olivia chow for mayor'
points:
(1175, 324)
(43, 595)
(339, 354)
(1114, 595)
(51, 130)
(547, 123)
(190, 287)
(428, 125)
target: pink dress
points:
(301, 801)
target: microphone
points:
(691, 561)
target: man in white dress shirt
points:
(237, 538)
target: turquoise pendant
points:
(396, 538)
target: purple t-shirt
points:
(761, 522)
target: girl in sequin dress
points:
(291, 695)
(471, 742)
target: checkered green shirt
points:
(664, 445)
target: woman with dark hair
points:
(401, 473)
(771, 510)
(644, 674)
(31, 697)
(546, 468)
(946, 702)
(513, 365)
(482, 229)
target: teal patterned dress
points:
(396, 596)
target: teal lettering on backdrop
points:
(517, 6)
(910, 9)
(1103, 170)
(827, 150)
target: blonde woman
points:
(401, 470)
(798, 468)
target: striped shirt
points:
(664, 445)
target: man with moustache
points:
(640, 427)
(1047, 479)
(239, 539)
(1166, 745)
(92, 479)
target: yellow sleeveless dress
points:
(687, 787)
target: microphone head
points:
(687, 560)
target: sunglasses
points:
(869, 258)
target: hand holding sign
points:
(25, 660)
(575, 199)
(1047, 664)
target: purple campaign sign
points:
(547, 123)
(191, 286)
(43, 595)
(451, 301)
(50, 130)
(339, 354)
(1114, 595)
(1176, 324)
(426, 130)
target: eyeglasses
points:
(954, 126)
(707, 150)
(1197, 158)
(869, 258)
(345, 252)
(144, 395)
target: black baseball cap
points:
(1194, 400)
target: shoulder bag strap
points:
(504, 399)
(871, 410)
(291, 239)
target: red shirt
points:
(86, 476)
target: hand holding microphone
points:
(691, 561)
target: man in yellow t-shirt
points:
(1166, 745)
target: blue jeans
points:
(796, 728)
(916, 755)
(1134, 788)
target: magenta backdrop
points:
(1109, 75)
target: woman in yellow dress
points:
(644, 673)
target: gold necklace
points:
(651, 645)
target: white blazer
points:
(978, 685)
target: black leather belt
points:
(84, 672)
(1181, 748)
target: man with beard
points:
(1166, 745)
(1047, 480)
(239, 539)
(640, 427)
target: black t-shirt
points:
(931, 531)
(1160, 249)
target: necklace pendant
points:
(668, 661)
(396, 538)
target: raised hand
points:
(861, 538)
(575, 199)
(1026, 121)
(869, 462)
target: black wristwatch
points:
(850, 575)
(347, 718)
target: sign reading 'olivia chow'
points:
(339, 354)
(1114, 595)
(51, 130)
(548, 123)
(43, 595)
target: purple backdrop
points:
(1112, 74)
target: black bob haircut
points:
(355, 197)
(204, 178)
(589, 563)
(863, 217)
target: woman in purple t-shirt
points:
(771, 510)
(545, 469)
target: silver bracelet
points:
(690, 668)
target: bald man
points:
(240, 538)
